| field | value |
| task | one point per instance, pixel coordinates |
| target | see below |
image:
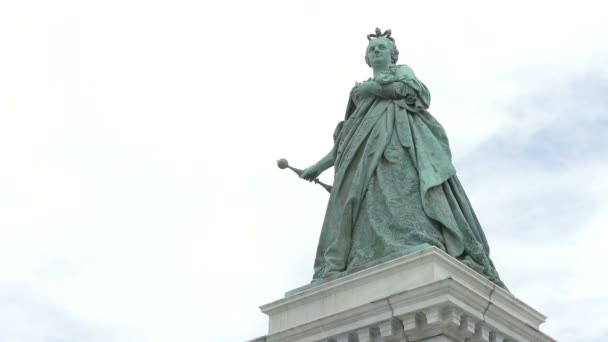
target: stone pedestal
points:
(424, 296)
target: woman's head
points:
(374, 52)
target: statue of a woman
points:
(395, 186)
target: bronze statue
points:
(394, 186)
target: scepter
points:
(284, 164)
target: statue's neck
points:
(380, 69)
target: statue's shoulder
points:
(395, 73)
(404, 70)
(403, 67)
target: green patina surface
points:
(395, 187)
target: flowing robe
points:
(395, 186)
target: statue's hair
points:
(391, 42)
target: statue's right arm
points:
(315, 170)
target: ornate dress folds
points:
(395, 186)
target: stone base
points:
(358, 268)
(424, 296)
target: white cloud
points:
(138, 143)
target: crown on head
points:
(378, 34)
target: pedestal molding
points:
(427, 295)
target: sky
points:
(139, 194)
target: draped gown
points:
(395, 186)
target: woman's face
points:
(379, 53)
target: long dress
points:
(395, 186)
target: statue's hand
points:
(367, 88)
(310, 173)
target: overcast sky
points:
(139, 194)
